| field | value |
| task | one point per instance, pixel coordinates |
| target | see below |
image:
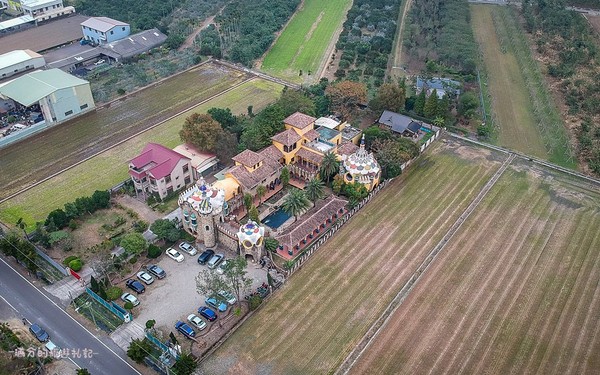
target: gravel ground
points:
(175, 297)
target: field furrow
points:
(325, 309)
(515, 291)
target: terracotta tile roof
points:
(323, 210)
(309, 155)
(347, 148)
(270, 166)
(287, 137)
(248, 158)
(311, 135)
(299, 120)
(156, 160)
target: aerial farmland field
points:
(516, 291)
(327, 306)
(41, 155)
(109, 168)
(302, 44)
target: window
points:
(83, 106)
(123, 28)
(176, 178)
(185, 168)
(144, 179)
(187, 180)
(207, 228)
(167, 179)
(112, 32)
(68, 113)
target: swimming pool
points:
(276, 218)
(426, 129)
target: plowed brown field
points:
(324, 310)
(516, 291)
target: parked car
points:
(205, 256)
(222, 267)
(216, 304)
(228, 297)
(156, 271)
(175, 255)
(184, 246)
(128, 297)
(39, 333)
(145, 277)
(185, 329)
(197, 321)
(136, 286)
(207, 313)
(215, 260)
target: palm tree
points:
(261, 190)
(329, 166)
(295, 203)
(314, 189)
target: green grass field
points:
(110, 167)
(326, 307)
(527, 117)
(302, 44)
(514, 292)
(42, 155)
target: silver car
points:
(184, 246)
(128, 297)
(145, 277)
(215, 260)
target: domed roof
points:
(361, 163)
(250, 233)
(204, 198)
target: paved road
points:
(64, 331)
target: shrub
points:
(69, 259)
(133, 259)
(254, 302)
(75, 265)
(154, 251)
(113, 293)
(139, 349)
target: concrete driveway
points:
(174, 297)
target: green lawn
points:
(110, 167)
(302, 44)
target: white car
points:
(128, 297)
(222, 266)
(228, 297)
(197, 321)
(184, 246)
(174, 254)
(145, 277)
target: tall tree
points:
(165, 230)
(330, 166)
(443, 106)
(227, 120)
(21, 224)
(253, 214)
(390, 97)
(261, 190)
(285, 176)
(295, 202)
(134, 243)
(201, 131)
(346, 96)
(314, 189)
(420, 103)
(430, 109)
(236, 279)
(185, 365)
(295, 101)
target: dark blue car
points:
(39, 333)
(135, 285)
(185, 329)
(210, 315)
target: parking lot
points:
(175, 297)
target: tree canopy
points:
(165, 230)
(346, 96)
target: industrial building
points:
(40, 10)
(19, 61)
(59, 95)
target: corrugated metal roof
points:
(16, 57)
(103, 24)
(15, 22)
(32, 87)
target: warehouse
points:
(15, 62)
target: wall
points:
(117, 33)
(68, 99)
(227, 238)
(33, 63)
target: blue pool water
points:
(425, 129)
(276, 219)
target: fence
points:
(125, 316)
(424, 146)
(51, 261)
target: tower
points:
(206, 220)
(251, 239)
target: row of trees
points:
(60, 218)
(569, 39)
(367, 40)
(442, 28)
